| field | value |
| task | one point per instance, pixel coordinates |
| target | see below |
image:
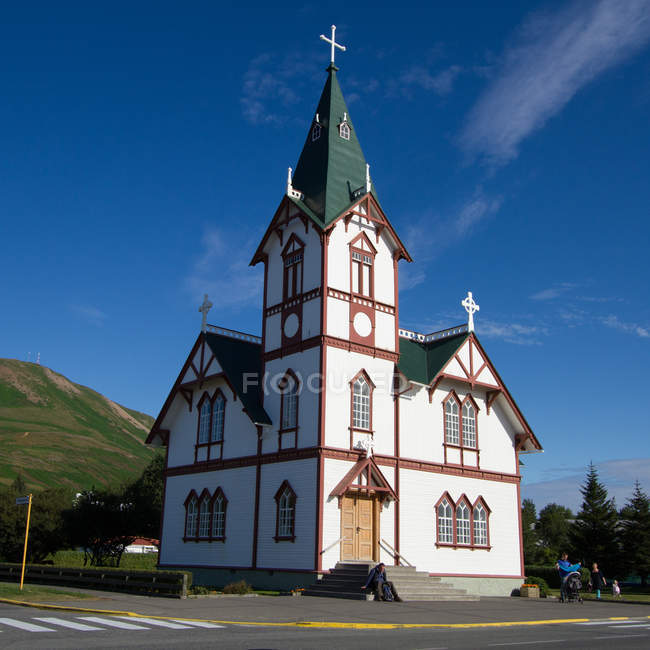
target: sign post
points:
(20, 501)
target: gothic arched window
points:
(463, 530)
(191, 515)
(361, 402)
(205, 411)
(452, 426)
(480, 525)
(218, 418)
(445, 522)
(469, 425)
(219, 503)
(285, 522)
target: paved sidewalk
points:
(286, 609)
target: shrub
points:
(540, 582)
(199, 590)
(548, 573)
(585, 576)
(241, 587)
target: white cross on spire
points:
(470, 308)
(333, 43)
(204, 309)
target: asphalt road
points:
(164, 623)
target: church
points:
(338, 436)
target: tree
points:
(553, 530)
(635, 534)
(593, 535)
(102, 524)
(529, 534)
(146, 497)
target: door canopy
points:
(365, 476)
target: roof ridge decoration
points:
(434, 336)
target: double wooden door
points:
(359, 527)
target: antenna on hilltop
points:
(38, 359)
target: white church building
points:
(337, 435)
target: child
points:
(597, 580)
(616, 590)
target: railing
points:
(233, 334)
(434, 336)
(392, 551)
(338, 541)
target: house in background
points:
(337, 435)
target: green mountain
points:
(57, 433)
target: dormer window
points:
(315, 132)
(344, 130)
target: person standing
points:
(598, 581)
(565, 568)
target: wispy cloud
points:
(272, 81)
(91, 314)
(629, 328)
(222, 271)
(618, 476)
(552, 58)
(553, 292)
(511, 332)
(441, 82)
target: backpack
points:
(388, 593)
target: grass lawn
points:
(37, 593)
(637, 594)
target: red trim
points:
(347, 482)
(278, 495)
(200, 499)
(258, 473)
(521, 533)
(454, 505)
(241, 568)
(396, 451)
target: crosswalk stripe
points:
(111, 622)
(158, 622)
(199, 623)
(66, 623)
(24, 625)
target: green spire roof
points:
(330, 168)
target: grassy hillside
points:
(57, 433)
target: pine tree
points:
(635, 534)
(529, 534)
(593, 536)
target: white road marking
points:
(24, 625)
(66, 623)
(619, 636)
(214, 625)
(605, 622)
(646, 625)
(155, 621)
(528, 642)
(113, 623)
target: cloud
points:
(440, 83)
(271, 81)
(618, 476)
(553, 292)
(517, 333)
(554, 56)
(474, 211)
(222, 271)
(91, 314)
(630, 328)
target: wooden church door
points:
(359, 527)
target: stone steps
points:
(346, 578)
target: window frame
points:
(345, 130)
(461, 444)
(463, 502)
(454, 504)
(450, 502)
(295, 248)
(210, 444)
(357, 266)
(362, 374)
(191, 497)
(480, 501)
(199, 499)
(316, 131)
(289, 378)
(469, 400)
(451, 397)
(285, 487)
(218, 493)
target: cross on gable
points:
(470, 307)
(204, 309)
(333, 43)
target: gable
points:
(470, 364)
(364, 475)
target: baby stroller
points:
(572, 587)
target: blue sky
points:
(145, 148)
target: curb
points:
(319, 624)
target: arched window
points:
(445, 522)
(286, 513)
(344, 130)
(463, 535)
(218, 413)
(315, 132)
(219, 516)
(191, 514)
(290, 404)
(204, 517)
(452, 429)
(292, 254)
(204, 421)
(480, 526)
(469, 425)
(360, 403)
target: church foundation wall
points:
(487, 586)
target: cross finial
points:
(333, 43)
(470, 307)
(204, 309)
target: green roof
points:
(421, 362)
(330, 169)
(237, 359)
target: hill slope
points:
(57, 433)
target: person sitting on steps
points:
(378, 583)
